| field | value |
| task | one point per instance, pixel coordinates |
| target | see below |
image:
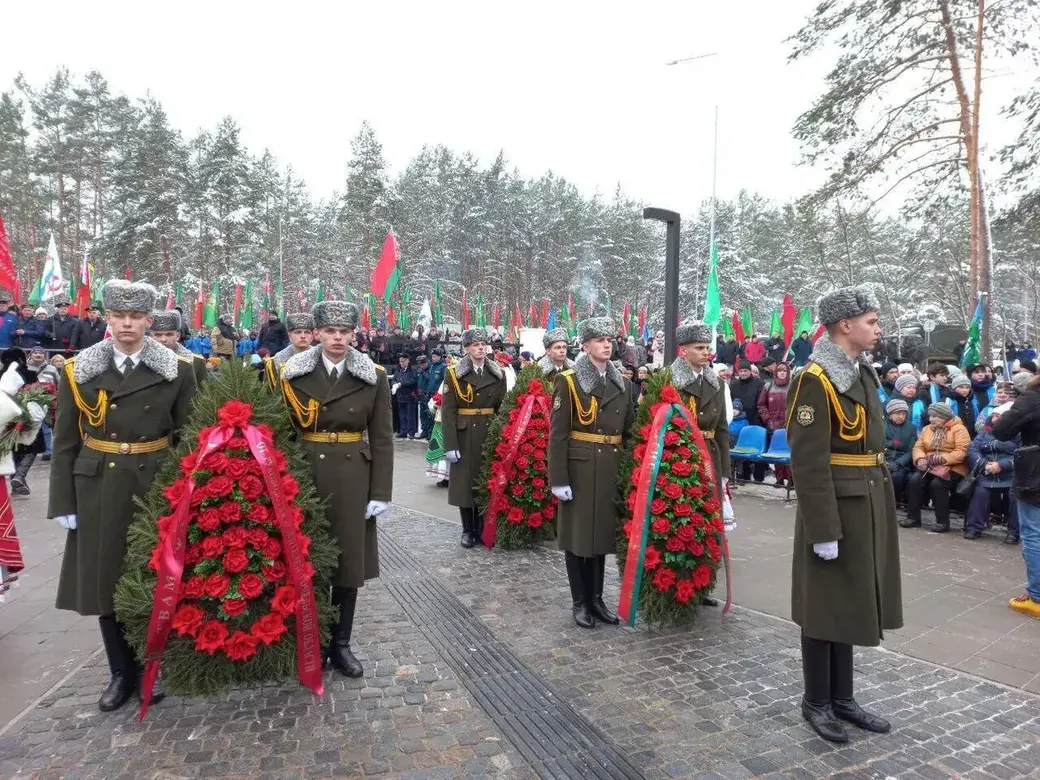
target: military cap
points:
(334, 314)
(596, 327)
(846, 303)
(299, 321)
(553, 336)
(164, 321)
(693, 332)
(124, 295)
(473, 335)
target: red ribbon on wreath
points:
(171, 569)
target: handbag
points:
(966, 485)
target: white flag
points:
(425, 316)
(52, 282)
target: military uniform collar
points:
(545, 363)
(683, 377)
(465, 365)
(355, 363)
(588, 375)
(842, 370)
(94, 361)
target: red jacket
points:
(755, 351)
(772, 406)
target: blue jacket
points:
(802, 349)
(899, 444)
(7, 326)
(431, 379)
(985, 448)
(35, 330)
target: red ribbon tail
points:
(490, 528)
(151, 672)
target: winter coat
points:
(968, 413)
(755, 351)
(464, 432)
(35, 332)
(348, 474)
(87, 333)
(222, 346)
(588, 524)
(1023, 420)
(747, 393)
(707, 399)
(983, 449)
(8, 323)
(273, 336)
(150, 403)
(772, 406)
(801, 349)
(729, 352)
(431, 379)
(855, 597)
(953, 448)
(60, 331)
(408, 379)
(775, 349)
(899, 445)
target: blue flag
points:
(552, 321)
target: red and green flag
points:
(212, 308)
(738, 328)
(387, 272)
(788, 315)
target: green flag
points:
(973, 343)
(72, 290)
(712, 301)
(726, 329)
(776, 327)
(320, 295)
(210, 312)
(804, 323)
(481, 317)
(245, 316)
(36, 294)
(438, 316)
(178, 293)
(747, 321)
(280, 301)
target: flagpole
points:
(714, 173)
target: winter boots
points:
(19, 487)
(340, 654)
(126, 674)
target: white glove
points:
(375, 508)
(826, 550)
(563, 493)
(452, 456)
(67, 521)
(394, 388)
(11, 382)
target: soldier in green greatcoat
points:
(846, 587)
(166, 329)
(301, 338)
(555, 358)
(592, 414)
(121, 405)
(340, 404)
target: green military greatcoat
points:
(587, 525)
(833, 412)
(348, 474)
(95, 399)
(198, 363)
(469, 402)
(707, 396)
(550, 370)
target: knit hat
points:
(897, 405)
(905, 368)
(846, 303)
(906, 380)
(744, 365)
(1021, 381)
(961, 380)
(885, 368)
(942, 411)
(40, 311)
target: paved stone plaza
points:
(473, 668)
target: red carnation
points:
(673, 490)
(235, 414)
(684, 452)
(199, 495)
(538, 495)
(211, 637)
(539, 454)
(549, 511)
(212, 546)
(682, 468)
(155, 560)
(701, 576)
(674, 544)
(515, 516)
(664, 578)
(522, 462)
(682, 509)
(217, 585)
(241, 646)
(540, 467)
(208, 519)
(644, 432)
(657, 506)
(671, 438)
(175, 492)
(661, 525)
(535, 520)
(234, 607)
(685, 532)
(253, 467)
(188, 619)
(195, 587)
(684, 590)
(188, 462)
(538, 482)
(251, 487)
(237, 468)
(517, 489)
(235, 537)
(526, 449)
(272, 548)
(235, 560)
(696, 548)
(667, 456)
(230, 512)
(237, 443)
(219, 486)
(535, 387)
(626, 529)
(680, 422)
(662, 480)
(502, 449)
(269, 628)
(670, 395)
(694, 491)
(713, 548)
(257, 537)
(274, 572)
(193, 554)
(258, 513)
(251, 585)
(290, 487)
(711, 506)
(651, 558)
(284, 600)
(215, 462)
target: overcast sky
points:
(577, 87)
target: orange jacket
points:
(954, 447)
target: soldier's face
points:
(863, 332)
(477, 352)
(301, 338)
(168, 338)
(334, 342)
(599, 349)
(696, 354)
(128, 327)
(557, 351)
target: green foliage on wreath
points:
(186, 671)
(509, 536)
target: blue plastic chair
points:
(750, 444)
(778, 452)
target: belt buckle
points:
(880, 459)
(124, 449)
(333, 437)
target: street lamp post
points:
(671, 276)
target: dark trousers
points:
(747, 468)
(407, 412)
(426, 418)
(982, 500)
(397, 419)
(939, 490)
(900, 478)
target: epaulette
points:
(183, 359)
(566, 372)
(198, 357)
(380, 367)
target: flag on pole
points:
(238, 304)
(36, 292)
(8, 276)
(280, 300)
(551, 324)
(17, 292)
(266, 304)
(425, 316)
(788, 315)
(973, 345)
(738, 328)
(626, 319)
(496, 317)
(572, 312)
(171, 301)
(212, 310)
(819, 332)
(747, 321)
(52, 283)
(245, 319)
(644, 328)
(479, 316)
(545, 313)
(391, 316)
(178, 293)
(726, 329)
(804, 323)
(299, 298)
(465, 312)
(438, 312)
(366, 319)
(320, 295)
(387, 274)
(200, 302)
(712, 299)
(775, 326)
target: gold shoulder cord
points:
(95, 414)
(849, 430)
(272, 372)
(308, 417)
(585, 416)
(466, 398)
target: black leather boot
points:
(123, 682)
(19, 485)
(478, 526)
(816, 703)
(709, 601)
(576, 579)
(466, 514)
(339, 651)
(844, 706)
(596, 568)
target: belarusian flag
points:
(387, 274)
(532, 315)
(238, 303)
(8, 275)
(200, 302)
(245, 318)
(804, 323)
(572, 312)
(496, 316)
(626, 319)
(787, 318)
(712, 300)
(775, 326)
(210, 312)
(545, 314)
(465, 312)
(738, 328)
(972, 347)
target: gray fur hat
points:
(471, 336)
(693, 332)
(334, 314)
(596, 327)
(299, 321)
(552, 336)
(163, 321)
(846, 303)
(123, 295)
